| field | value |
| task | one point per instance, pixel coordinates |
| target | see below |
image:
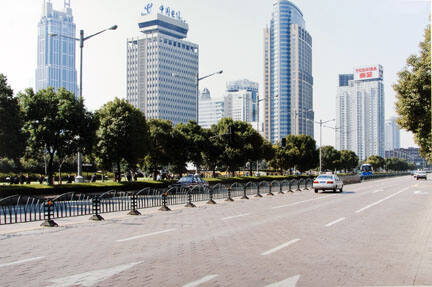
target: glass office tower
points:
(55, 54)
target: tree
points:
(284, 158)
(330, 158)
(160, 141)
(180, 149)
(212, 149)
(195, 138)
(56, 123)
(349, 160)
(396, 164)
(376, 161)
(12, 138)
(305, 147)
(122, 135)
(414, 96)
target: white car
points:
(328, 182)
(420, 174)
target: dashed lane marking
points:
(298, 202)
(145, 235)
(235, 216)
(334, 222)
(200, 281)
(22, 261)
(289, 282)
(381, 200)
(286, 244)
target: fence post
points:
(134, 211)
(258, 194)
(280, 187)
(48, 214)
(290, 186)
(189, 203)
(164, 202)
(96, 208)
(244, 193)
(298, 185)
(270, 190)
(229, 195)
(211, 201)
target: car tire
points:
(316, 190)
(334, 190)
(341, 189)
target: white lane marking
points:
(235, 216)
(381, 200)
(334, 222)
(200, 281)
(145, 235)
(298, 202)
(289, 282)
(420, 192)
(378, 190)
(22, 261)
(280, 247)
(88, 279)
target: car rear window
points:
(325, 177)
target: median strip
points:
(145, 235)
(286, 244)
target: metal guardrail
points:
(20, 209)
(378, 175)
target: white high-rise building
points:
(238, 106)
(162, 67)
(210, 111)
(56, 54)
(288, 81)
(360, 112)
(392, 135)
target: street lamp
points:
(81, 40)
(321, 122)
(198, 78)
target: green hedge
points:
(45, 190)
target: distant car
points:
(328, 182)
(191, 181)
(420, 174)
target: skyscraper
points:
(392, 135)
(210, 111)
(162, 67)
(360, 112)
(56, 55)
(288, 90)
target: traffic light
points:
(283, 142)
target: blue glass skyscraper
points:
(56, 55)
(288, 81)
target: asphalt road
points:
(377, 233)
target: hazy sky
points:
(345, 33)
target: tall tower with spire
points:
(56, 54)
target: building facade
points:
(360, 112)
(210, 111)
(392, 135)
(241, 101)
(411, 155)
(162, 67)
(288, 90)
(56, 54)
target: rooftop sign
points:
(164, 10)
(368, 72)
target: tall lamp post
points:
(81, 40)
(198, 78)
(321, 122)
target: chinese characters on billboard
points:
(368, 72)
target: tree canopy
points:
(376, 161)
(12, 138)
(330, 158)
(414, 96)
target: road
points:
(377, 233)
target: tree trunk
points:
(118, 171)
(154, 174)
(214, 173)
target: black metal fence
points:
(19, 209)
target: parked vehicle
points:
(366, 169)
(328, 182)
(191, 180)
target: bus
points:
(366, 169)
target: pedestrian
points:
(40, 179)
(129, 177)
(69, 178)
(21, 178)
(28, 181)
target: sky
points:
(345, 34)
